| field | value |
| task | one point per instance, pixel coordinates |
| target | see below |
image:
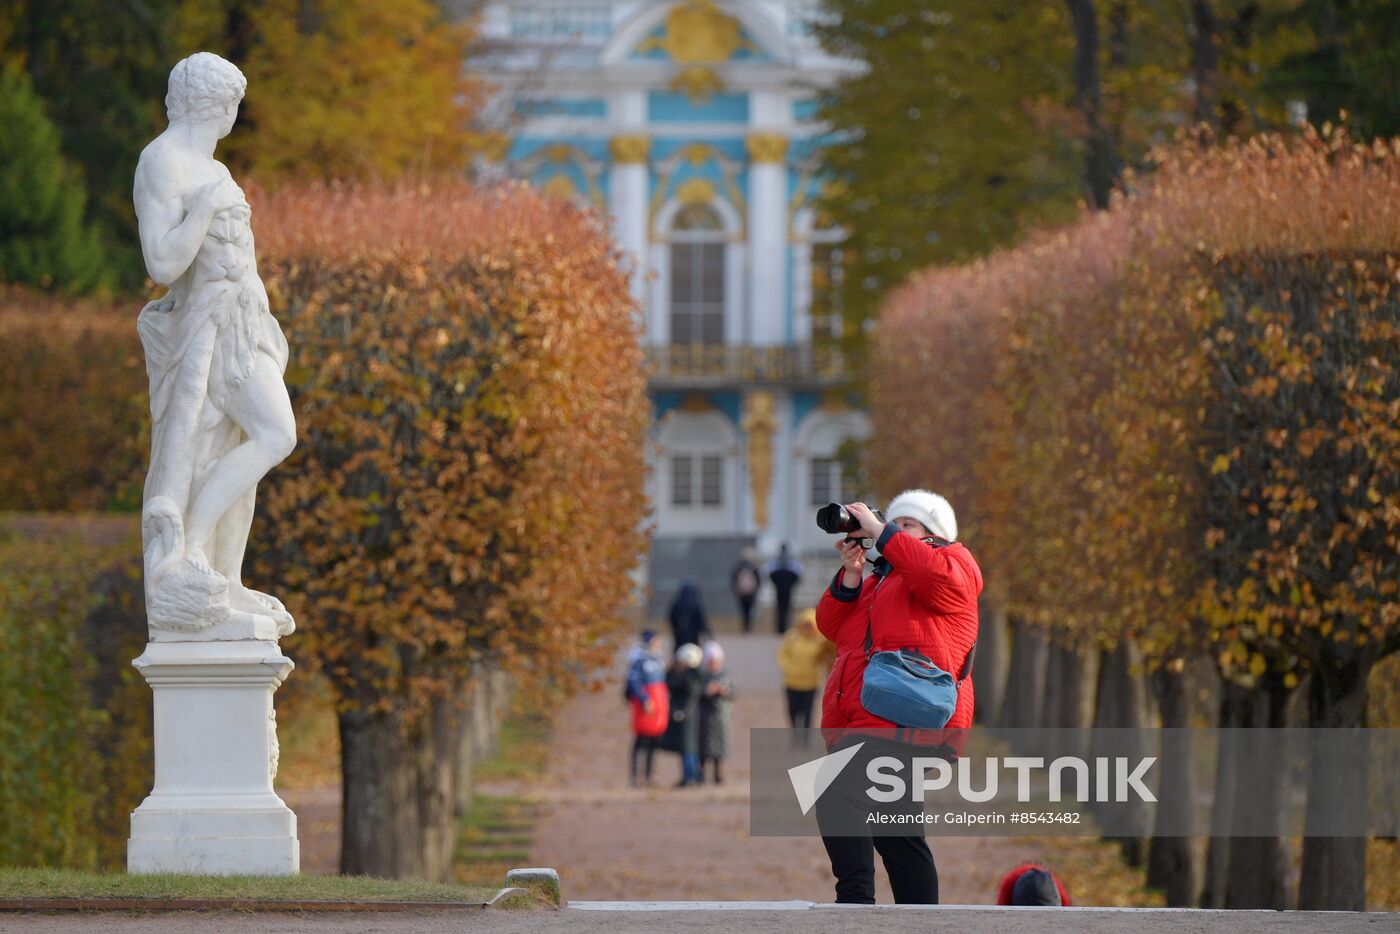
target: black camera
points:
(833, 519)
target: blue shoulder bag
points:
(907, 688)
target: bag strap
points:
(882, 573)
(869, 644)
(967, 663)
(870, 614)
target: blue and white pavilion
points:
(689, 125)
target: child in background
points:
(650, 701)
(804, 657)
(716, 694)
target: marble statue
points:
(215, 356)
(220, 420)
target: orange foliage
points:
(471, 407)
(1179, 417)
(351, 89)
(985, 357)
(73, 419)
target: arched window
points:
(697, 276)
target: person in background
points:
(744, 581)
(804, 657)
(688, 623)
(785, 572)
(1032, 884)
(649, 699)
(716, 694)
(682, 734)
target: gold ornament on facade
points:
(697, 153)
(697, 82)
(698, 31)
(557, 159)
(558, 152)
(560, 186)
(630, 150)
(695, 191)
(767, 147)
(696, 403)
(760, 425)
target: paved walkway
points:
(691, 919)
(611, 841)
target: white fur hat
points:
(929, 508)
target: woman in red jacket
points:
(922, 595)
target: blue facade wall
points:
(730, 403)
(668, 107)
(593, 147)
(563, 107)
(803, 403)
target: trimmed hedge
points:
(75, 738)
(74, 427)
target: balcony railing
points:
(720, 364)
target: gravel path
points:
(965, 921)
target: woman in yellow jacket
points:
(804, 656)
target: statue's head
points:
(205, 88)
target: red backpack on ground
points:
(1007, 888)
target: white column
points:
(212, 811)
(627, 197)
(802, 277)
(768, 239)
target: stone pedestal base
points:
(212, 810)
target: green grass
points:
(512, 858)
(494, 837)
(522, 750)
(67, 883)
(495, 834)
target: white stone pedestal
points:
(213, 810)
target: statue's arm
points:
(171, 234)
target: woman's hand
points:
(871, 526)
(852, 562)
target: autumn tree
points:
(337, 88)
(468, 480)
(942, 148)
(352, 89)
(975, 123)
(1195, 449)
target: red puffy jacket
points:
(927, 602)
(652, 724)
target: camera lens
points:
(834, 519)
